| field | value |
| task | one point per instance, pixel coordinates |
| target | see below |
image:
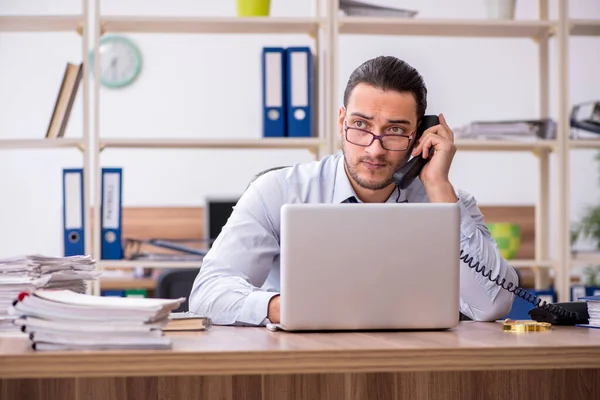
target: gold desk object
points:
(510, 325)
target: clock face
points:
(120, 61)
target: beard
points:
(373, 182)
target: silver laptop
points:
(385, 266)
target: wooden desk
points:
(474, 361)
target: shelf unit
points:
(316, 27)
(326, 27)
(575, 28)
(540, 30)
(77, 24)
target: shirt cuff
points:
(256, 308)
(468, 227)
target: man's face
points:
(379, 112)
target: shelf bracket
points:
(79, 28)
(545, 35)
(81, 147)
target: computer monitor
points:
(216, 213)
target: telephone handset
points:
(562, 313)
(406, 174)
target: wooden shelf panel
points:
(504, 145)
(585, 258)
(40, 143)
(233, 25)
(531, 263)
(585, 143)
(148, 264)
(582, 27)
(456, 28)
(268, 143)
(39, 23)
(127, 283)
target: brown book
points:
(64, 101)
(186, 321)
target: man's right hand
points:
(273, 310)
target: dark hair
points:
(390, 73)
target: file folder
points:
(273, 92)
(299, 91)
(73, 209)
(111, 216)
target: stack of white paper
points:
(65, 320)
(362, 8)
(518, 130)
(28, 273)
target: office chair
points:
(264, 172)
(176, 283)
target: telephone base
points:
(542, 314)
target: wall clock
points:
(120, 61)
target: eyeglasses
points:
(363, 138)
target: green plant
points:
(589, 227)
(592, 275)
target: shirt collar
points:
(342, 189)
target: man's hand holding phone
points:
(437, 143)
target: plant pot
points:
(253, 8)
(500, 9)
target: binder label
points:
(299, 71)
(111, 195)
(274, 91)
(73, 209)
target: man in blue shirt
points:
(238, 283)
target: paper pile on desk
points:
(593, 308)
(65, 320)
(29, 273)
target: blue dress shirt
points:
(240, 273)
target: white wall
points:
(209, 86)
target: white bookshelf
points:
(325, 28)
(78, 24)
(578, 28)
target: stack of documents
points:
(518, 130)
(593, 308)
(65, 320)
(29, 273)
(362, 8)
